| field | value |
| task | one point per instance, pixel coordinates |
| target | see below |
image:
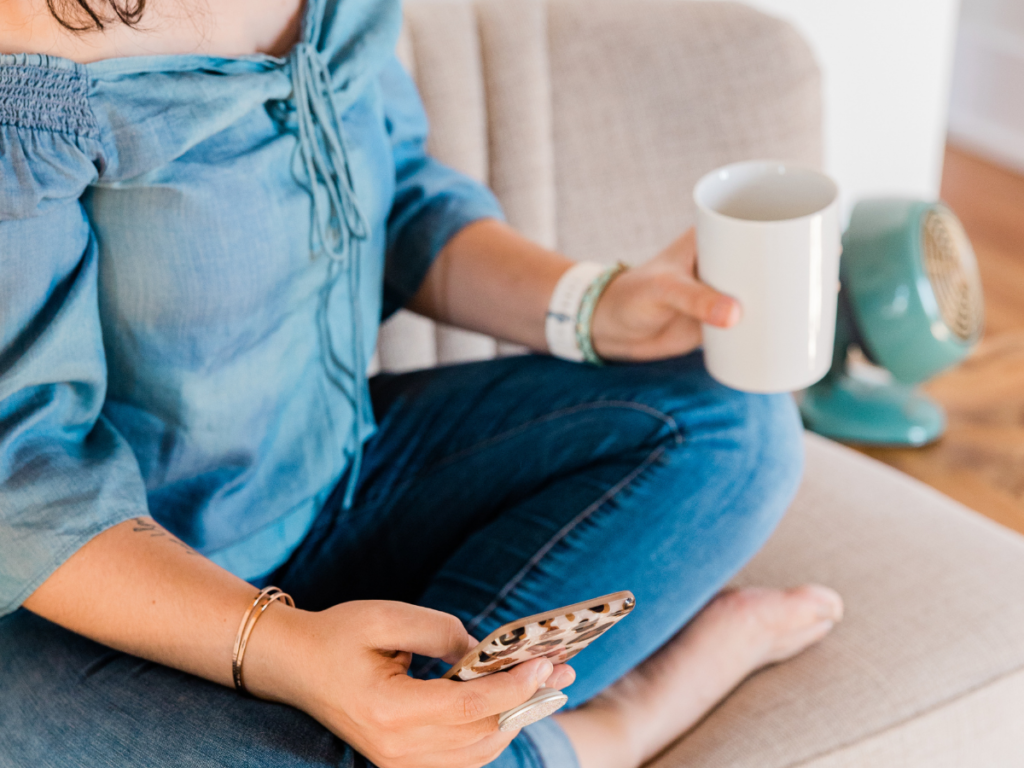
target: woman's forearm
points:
(493, 280)
(138, 589)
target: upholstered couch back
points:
(592, 119)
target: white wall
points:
(987, 111)
(887, 66)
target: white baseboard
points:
(987, 104)
(988, 139)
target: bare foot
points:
(736, 634)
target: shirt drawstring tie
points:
(339, 227)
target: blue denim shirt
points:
(195, 256)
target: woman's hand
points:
(655, 310)
(347, 667)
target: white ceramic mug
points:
(768, 235)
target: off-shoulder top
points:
(195, 256)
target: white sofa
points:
(591, 120)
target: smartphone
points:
(557, 635)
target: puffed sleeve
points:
(65, 472)
(432, 202)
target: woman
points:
(205, 210)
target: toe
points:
(788, 646)
(826, 603)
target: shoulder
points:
(49, 135)
(50, 148)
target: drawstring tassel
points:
(339, 227)
(357, 330)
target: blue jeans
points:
(492, 491)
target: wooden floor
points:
(980, 461)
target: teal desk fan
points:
(911, 302)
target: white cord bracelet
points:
(564, 309)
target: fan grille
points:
(953, 272)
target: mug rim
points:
(708, 177)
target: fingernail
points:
(543, 671)
(724, 312)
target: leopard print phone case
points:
(557, 635)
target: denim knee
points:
(776, 434)
(749, 448)
(767, 456)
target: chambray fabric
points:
(195, 255)
(491, 491)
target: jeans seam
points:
(541, 553)
(666, 419)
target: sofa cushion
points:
(927, 669)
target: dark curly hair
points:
(92, 15)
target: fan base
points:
(855, 411)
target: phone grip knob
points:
(544, 702)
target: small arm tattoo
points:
(144, 526)
(141, 525)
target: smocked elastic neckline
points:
(39, 92)
(130, 65)
(39, 60)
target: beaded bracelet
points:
(263, 600)
(586, 314)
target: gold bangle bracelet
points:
(263, 600)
